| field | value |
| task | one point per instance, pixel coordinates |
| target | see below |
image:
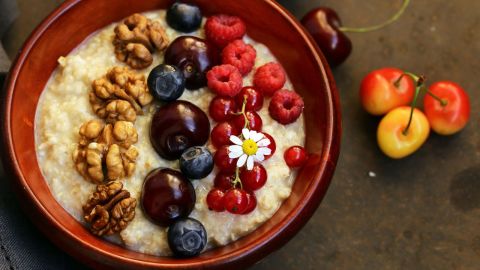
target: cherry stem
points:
(420, 81)
(443, 102)
(244, 105)
(237, 180)
(393, 19)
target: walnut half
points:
(109, 209)
(106, 151)
(119, 95)
(135, 40)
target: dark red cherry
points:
(194, 57)
(167, 196)
(323, 24)
(222, 108)
(177, 126)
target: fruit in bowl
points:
(115, 146)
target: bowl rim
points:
(314, 193)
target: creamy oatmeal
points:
(64, 106)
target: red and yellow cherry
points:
(385, 89)
(393, 137)
(323, 24)
(447, 107)
(295, 156)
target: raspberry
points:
(223, 29)
(269, 78)
(240, 55)
(285, 106)
(225, 80)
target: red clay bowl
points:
(74, 21)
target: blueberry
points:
(166, 82)
(196, 162)
(184, 17)
(187, 237)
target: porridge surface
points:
(64, 107)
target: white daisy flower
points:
(252, 148)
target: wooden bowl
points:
(74, 21)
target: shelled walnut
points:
(136, 38)
(109, 209)
(119, 95)
(106, 151)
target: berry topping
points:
(239, 55)
(196, 162)
(222, 108)
(221, 134)
(215, 200)
(187, 237)
(251, 203)
(167, 196)
(223, 29)
(236, 201)
(286, 106)
(295, 156)
(272, 146)
(269, 78)
(166, 82)
(184, 17)
(225, 80)
(222, 160)
(254, 99)
(177, 126)
(194, 57)
(254, 179)
(254, 121)
(224, 180)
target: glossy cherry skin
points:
(236, 201)
(167, 196)
(254, 120)
(295, 156)
(391, 138)
(254, 99)
(452, 117)
(223, 162)
(323, 24)
(215, 200)
(224, 180)
(194, 57)
(379, 94)
(221, 134)
(253, 179)
(272, 145)
(177, 126)
(222, 108)
(251, 203)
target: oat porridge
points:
(114, 139)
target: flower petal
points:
(257, 136)
(263, 142)
(241, 161)
(264, 151)
(236, 140)
(234, 151)
(259, 157)
(246, 133)
(250, 163)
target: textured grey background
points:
(422, 212)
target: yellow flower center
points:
(249, 147)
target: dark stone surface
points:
(421, 212)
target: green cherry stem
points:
(420, 81)
(237, 180)
(393, 19)
(443, 102)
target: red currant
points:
(215, 200)
(255, 178)
(221, 134)
(253, 96)
(272, 145)
(255, 121)
(295, 156)
(224, 162)
(223, 180)
(222, 108)
(251, 204)
(236, 201)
